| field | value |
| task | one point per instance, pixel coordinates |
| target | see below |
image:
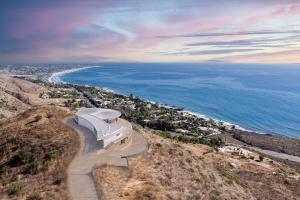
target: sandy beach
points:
(55, 77)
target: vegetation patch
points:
(64, 93)
(2, 116)
(231, 178)
(213, 142)
(34, 196)
(14, 188)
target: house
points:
(105, 124)
(237, 151)
(229, 149)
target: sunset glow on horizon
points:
(234, 31)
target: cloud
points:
(210, 52)
(282, 12)
(223, 43)
(291, 56)
(128, 29)
(263, 42)
(264, 32)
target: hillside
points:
(35, 146)
(174, 170)
(16, 96)
(35, 149)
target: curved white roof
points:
(107, 114)
(103, 114)
(95, 117)
(101, 126)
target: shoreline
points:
(198, 115)
(55, 78)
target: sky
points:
(233, 31)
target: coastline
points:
(55, 77)
(237, 136)
(198, 115)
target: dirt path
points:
(80, 181)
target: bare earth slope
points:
(173, 170)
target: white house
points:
(105, 124)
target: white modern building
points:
(105, 124)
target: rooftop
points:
(104, 114)
(96, 117)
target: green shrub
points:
(188, 160)
(52, 154)
(164, 134)
(33, 167)
(158, 145)
(5, 170)
(34, 196)
(49, 115)
(231, 178)
(200, 158)
(261, 158)
(14, 188)
(24, 155)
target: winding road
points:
(80, 180)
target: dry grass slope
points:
(173, 170)
(16, 96)
(35, 150)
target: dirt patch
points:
(111, 179)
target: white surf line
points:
(55, 77)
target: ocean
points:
(257, 97)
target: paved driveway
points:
(80, 181)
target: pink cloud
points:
(288, 56)
(282, 11)
(67, 30)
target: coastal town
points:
(168, 120)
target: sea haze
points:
(262, 98)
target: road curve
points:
(81, 184)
